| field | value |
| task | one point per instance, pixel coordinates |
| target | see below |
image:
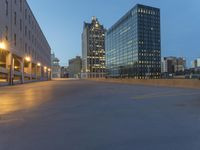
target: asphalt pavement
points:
(90, 115)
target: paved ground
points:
(88, 115)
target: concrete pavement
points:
(89, 115)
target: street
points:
(90, 115)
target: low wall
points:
(182, 83)
(3, 83)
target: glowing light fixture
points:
(38, 64)
(2, 45)
(45, 68)
(49, 69)
(28, 59)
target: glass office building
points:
(133, 44)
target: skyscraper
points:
(93, 50)
(133, 44)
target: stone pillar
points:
(10, 68)
(22, 70)
(30, 70)
(40, 72)
(36, 71)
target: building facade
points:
(198, 62)
(133, 44)
(75, 66)
(25, 54)
(194, 64)
(93, 50)
(64, 72)
(172, 65)
(55, 66)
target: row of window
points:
(33, 24)
(36, 37)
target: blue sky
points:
(62, 23)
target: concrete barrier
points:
(3, 83)
(64, 79)
(181, 83)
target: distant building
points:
(133, 44)
(93, 50)
(64, 72)
(194, 64)
(75, 66)
(198, 62)
(173, 64)
(55, 66)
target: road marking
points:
(164, 95)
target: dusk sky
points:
(62, 23)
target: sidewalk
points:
(178, 83)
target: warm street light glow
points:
(45, 68)
(38, 64)
(49, 69)
(2, 45)
(28, 59)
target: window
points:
(25, 13)
(29, 34)
(26, 48)
(21, 43)
(21, 5)
(20, 24)
(15, 39)
(29, 19)
(25, 30)
(15, 18)
(6, 7)
(6, 33)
